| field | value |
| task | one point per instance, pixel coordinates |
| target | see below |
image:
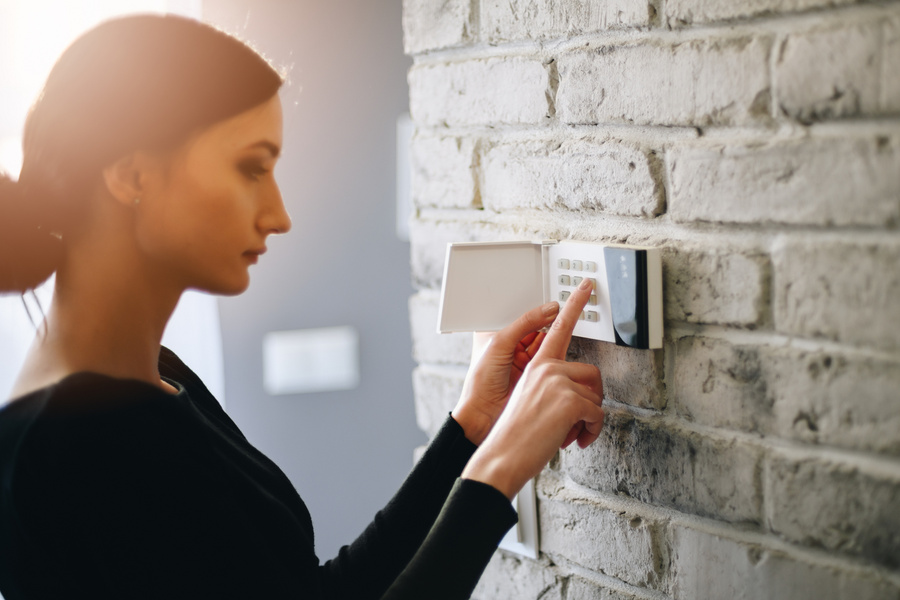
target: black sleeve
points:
(393, 543)
(452, 558)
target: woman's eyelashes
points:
(253, 170)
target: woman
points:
(147, 172)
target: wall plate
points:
(488, 285)
(523, 538)
(311, 360)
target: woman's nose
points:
(275, 218)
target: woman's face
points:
(204, 216)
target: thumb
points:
(506, 340)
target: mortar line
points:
(736, 335)
(874, 464)
(764, 234)
(569, 567)
(785, 130)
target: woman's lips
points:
(254, 255)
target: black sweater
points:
(112, 488)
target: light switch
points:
(311, 360)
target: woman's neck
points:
(106, 317)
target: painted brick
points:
(719, 82)
(838, 289)
(429, 346)
(839, 72)
(707, 566)
(442, 171)
(437, 390)
(849, 507)
(510, 91)
(679, 13)
(816, 396)
(890, 59)
(782, 329)
(573, 175)
(509, 577)
(715, 285)
(505, 20)
(721, 384)
(654, 460)
(609, 541)
(836, 399)
(810, 182)
(630, 376)
(428, 25)
(581, 589)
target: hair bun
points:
(28, 252)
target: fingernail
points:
(586, 284)
(551, 308)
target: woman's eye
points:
(253, 171)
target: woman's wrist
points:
(475, 424)
(492, 471)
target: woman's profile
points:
(148, 171)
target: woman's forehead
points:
(258, 127)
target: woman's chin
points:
(226, 288)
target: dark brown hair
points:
(141, 82)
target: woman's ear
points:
(124, 179)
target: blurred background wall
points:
(341, 265)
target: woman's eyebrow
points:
(273, 149)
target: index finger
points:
(557, 341)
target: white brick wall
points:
(611, 177)
(844, 69)
(757, 143)
(656, 82)
(479, 92)
(797, 182)
(506, 20)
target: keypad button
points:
(563, 296)
(590, 267)
(593, 300)
(576, 280)
(577, 265)
(563, 263)
(565, 280)
(591, 316)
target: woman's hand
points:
(498, 361)
(554, 404)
